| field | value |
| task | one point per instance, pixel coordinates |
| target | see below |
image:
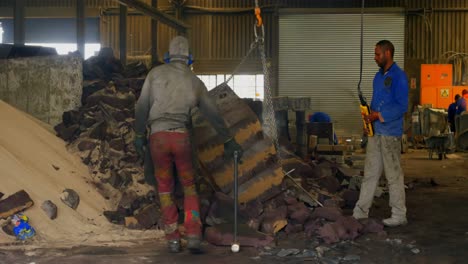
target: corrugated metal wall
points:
(228, 36)
(139, 35)
(138, 31)
(64, 3)
(218, 41)
(436, 27)
(433, 28)
(319, 58)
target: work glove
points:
(230, 147)
(371, 117)
(139, 143)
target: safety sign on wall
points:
(444, 93)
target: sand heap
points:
(35, 160)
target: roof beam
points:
(154, 13)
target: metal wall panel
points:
(138, 34)
(66, 3)
(319, 58)
(54, 3)
(165, 34)
(297, 3)
(434, 27)
(436, 30)
(437, 3)
(218, 42)
(138, 38)
(431, 35)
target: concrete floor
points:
(437, 231)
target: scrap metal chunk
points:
(260, 169)
(15, 203)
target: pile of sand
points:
(28, 154)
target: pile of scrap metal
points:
(101, 133)
(306, 200)
(99, 70)
(10, 51)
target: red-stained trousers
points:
(168, 147)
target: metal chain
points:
(253, 46)
(269, 120)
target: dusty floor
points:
(437, 231)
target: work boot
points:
(359, 216)
(194, 244)
(174, 246)
(395, 221)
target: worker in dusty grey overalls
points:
(168, 95)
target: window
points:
(245, 86)
(91, 49)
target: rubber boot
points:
(194, 244)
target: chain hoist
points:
(268, 113)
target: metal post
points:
(123, 34)
(18, 22)
(154, 37)
(300, 119)
(236, 198)
(282, 122)
(178, 12)
(80, 26)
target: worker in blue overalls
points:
(388, 107)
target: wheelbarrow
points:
(438, 144)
